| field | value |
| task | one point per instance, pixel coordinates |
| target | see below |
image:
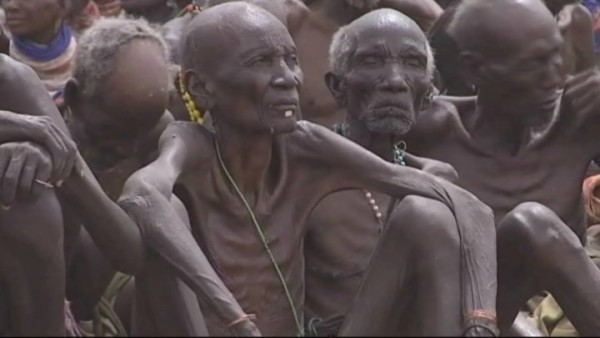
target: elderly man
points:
(504, 145)
(251, 184)
(335, 264)
(574, 22)
(117, 112)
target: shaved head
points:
(345, 40)
(212, 32)
(493, 28)
(275, 7)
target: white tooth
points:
(289, 113)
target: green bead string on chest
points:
(399, 153)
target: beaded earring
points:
(196, 115)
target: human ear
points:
(472, 65)
(337, 88)
(200, 89)
(72, 93)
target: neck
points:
(506, 127)
(247, 157)
(46, 36)
(381, 145)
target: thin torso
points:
(549, 172)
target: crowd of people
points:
(308, 168)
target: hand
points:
(582, 93)
(25, 167)
(61, 147)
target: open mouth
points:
(284, 109)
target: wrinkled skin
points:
(506, 154)
(575, 25)
(282, 168)
(37, 21)
(123, 125)
(313, 35)
(382, 92)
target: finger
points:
(577, 84)
(43, 174)
(57, 151)
(27, 177)
(11, 179)
(71, 158)
(79, 166)
(70, 149)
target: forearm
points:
(424, 12)
(112, 230)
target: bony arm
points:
(433, 167)
(111, 229)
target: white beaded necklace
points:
(399, 149)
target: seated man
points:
(41, 39)
(504, 145)
(117, 112)
(335, 264)
(251, 184)
(35, 153)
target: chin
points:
(391, 126)
(284, 127)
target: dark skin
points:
(336, 264)
(495, 147)
(575, 25)
(282, 169)
(123, 125)
(313, 35)
(36, 21)
(31, 258)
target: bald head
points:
(361, 30)
(275, 7)
(496, 28)
(210, 36)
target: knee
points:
(537, 229)
(425, 224)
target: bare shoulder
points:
(441, 117)
(188, 139)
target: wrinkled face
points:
(257, 78)
(529, 73)
(387, 80)
(131, 101)
(27, 18)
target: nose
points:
(555, 73)
(394, 79)
(284, 77)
